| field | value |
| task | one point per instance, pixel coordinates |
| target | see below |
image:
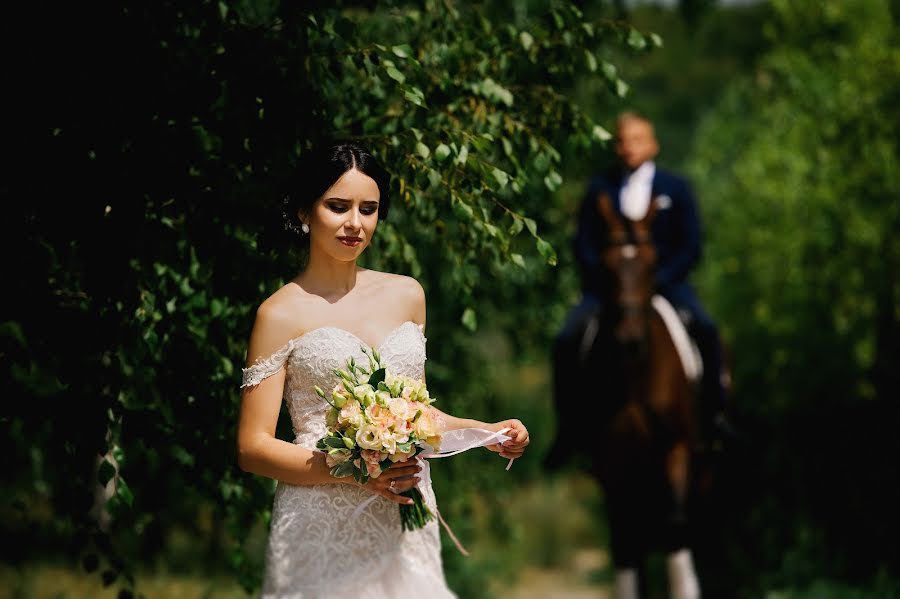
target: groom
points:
(677, 237)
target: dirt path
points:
(586, 578)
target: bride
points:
(320, 543)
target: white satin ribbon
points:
(463, 439)
(452, 443)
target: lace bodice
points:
(310, 359)
(319, 544)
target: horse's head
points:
(630, 257)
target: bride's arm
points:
(260, 452)
(515, 446)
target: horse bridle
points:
(628, 240)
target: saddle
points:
(677, 325)
(687, 349)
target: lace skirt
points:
(317, 548)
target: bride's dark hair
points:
(317, 170)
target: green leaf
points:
(516, 227)
(124, 492)
(394, 74)
(422, 150)
(403, 51)
(342, 470)
(526, 40)
(377, 377)
(105, 472)
(517, 259)
(553, 180)
(334, 442)
(414, 95)
(656, 40)
(609, 70)
(532, 226)
(441, 152)
(546, 250)
(469, 320)
(636, 40)
(183, 455)
(463, 155)
(463, 210)
(621, 88)
(501, 177)
(600, 133)
(591, 60)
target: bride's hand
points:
(515, 446)
(400, 477)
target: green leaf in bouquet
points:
(339, 453)
(345, 469)
(382, 386)
(331, 417)
(348, 386)
(404, 447)
(320, 445)
(377, 377)
(349, 443)
(360, 474)
(334, 442)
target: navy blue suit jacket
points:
(676, 231)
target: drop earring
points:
(305, 228)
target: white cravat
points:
(636, 190)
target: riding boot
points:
(568, 368)
(713, 402)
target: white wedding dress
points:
(317, 548)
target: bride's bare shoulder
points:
(406, 291)
(278, 320)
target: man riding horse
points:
(676, 235)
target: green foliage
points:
(147, 211)
(799, 165)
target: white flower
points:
(401, 408)
(369, 437)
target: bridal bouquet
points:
(376, 419)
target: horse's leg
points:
(683, 583)
(678, 475)
(670, 400)
(627, 459)
(627, 584)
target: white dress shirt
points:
(636, 190)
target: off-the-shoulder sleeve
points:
(265, 367)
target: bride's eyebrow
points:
(350, 201)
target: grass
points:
(66, 581)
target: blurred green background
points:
(152, 147)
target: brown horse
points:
(644, 463)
